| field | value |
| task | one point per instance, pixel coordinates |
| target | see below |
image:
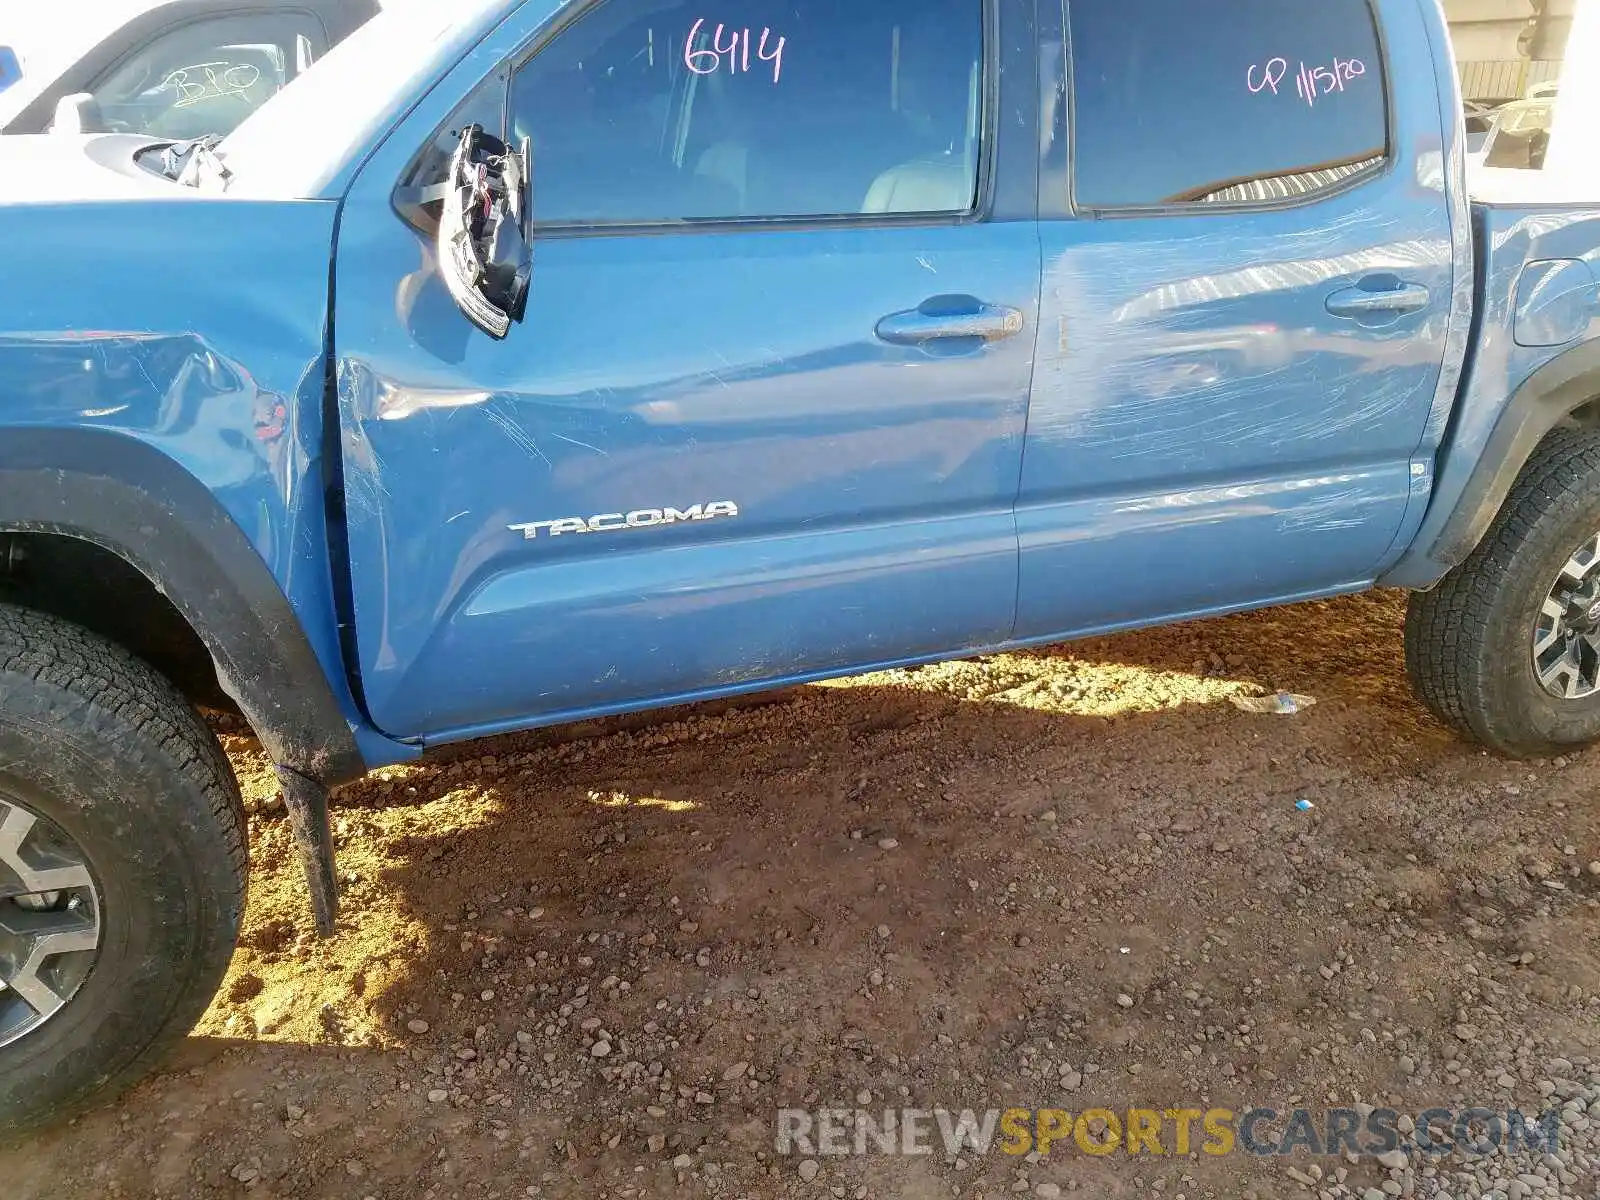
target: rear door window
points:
(1191, 102)
(206, 76)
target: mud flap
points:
(307, 802)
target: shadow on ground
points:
(1072, 876)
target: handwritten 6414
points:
(1310, 82)
(708, 60)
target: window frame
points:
(980, 211)
(1380, 170)
(409, 198)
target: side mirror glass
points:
(485, 239)
(76, 113)
(10, 67)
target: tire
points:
(113, 764)
(1470, 641)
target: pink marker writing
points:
(1311, 82)
(708, 59)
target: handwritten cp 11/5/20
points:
(1310, 81)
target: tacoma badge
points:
(642, 518)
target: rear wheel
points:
(1507, 648)
(122, 867)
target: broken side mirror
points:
(485, 239)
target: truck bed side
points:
(1534, 357)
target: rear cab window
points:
(1225, 102)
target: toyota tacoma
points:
(536, 360)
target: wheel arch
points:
(1565, 390)
(138, 504)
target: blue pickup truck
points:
(543, 360)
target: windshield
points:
(296, 143)
(50, 38)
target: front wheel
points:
(122, 867)
(1507, 648)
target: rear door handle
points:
(1379, 298)
(917, 326)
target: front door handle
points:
(944, 321)
(1379, 298)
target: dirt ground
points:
(596, 962)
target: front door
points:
(763, 419)
(1244, 311)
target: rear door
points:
(1247, 289)
(763, 419)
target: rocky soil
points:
(596, 962)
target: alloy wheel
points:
(1566, 635)
(50, 919)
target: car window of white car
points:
(206, 76)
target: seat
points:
(919, 187)
(224, 93)
(727, 164)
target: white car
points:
(1514, 135)
(174, 68)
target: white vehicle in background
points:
(180, 69)
(1514, 135)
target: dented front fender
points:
(162, 384)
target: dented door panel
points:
(705, 461)
(844, 501)
(1218, 419)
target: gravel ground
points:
(595, 962)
